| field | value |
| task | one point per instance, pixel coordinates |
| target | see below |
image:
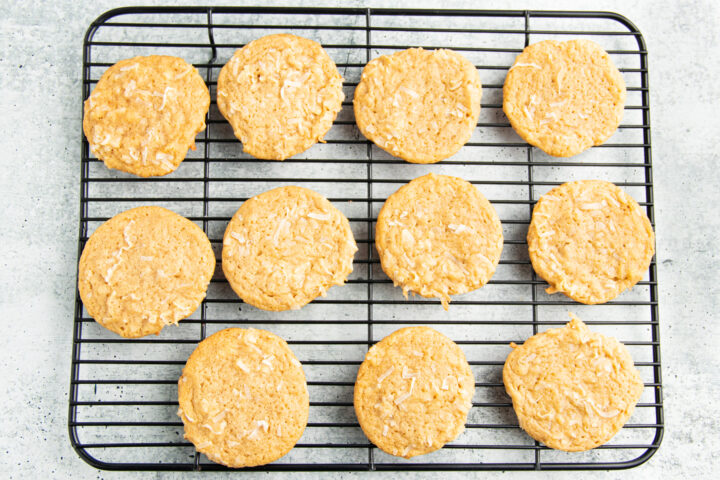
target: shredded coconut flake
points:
(402, 398)
(559, 78)
(417, 353)
(164, 97)
(164, 159)
(263, 424)
(533, 65)
(527, 112)
(546, 234)
(219, 431)
(146, 258)
(385, 430)
(445, 385)
(385, 375)
(410, 92)
(610, 414)
(406, 373)
(203, 445)
(459, 228)
(242, 365)
(319, 216)
(129, 88)
(267, 360)
(182, 74)
(591, 206)
(455, 85)
(484, 258)
(237, 237)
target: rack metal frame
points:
(80, 429)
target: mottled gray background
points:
(40, 60)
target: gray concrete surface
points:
(40, 59)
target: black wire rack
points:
(123, 393)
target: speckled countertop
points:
(40, 74)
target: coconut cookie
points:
(419, 105)
(144, 114)
(285, 247)
(572, 389)
(243, 398)
(281, 94)
(564, 97)
(590, 240)
(438, 236)
(413, 392)
(143, 269)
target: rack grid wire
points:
(123, 393)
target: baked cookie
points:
(589, 240)
(572, 389)
(243, 397)
(413, 392)
(564, 97)
(285, 247)
(438, 236)
(281, 94)
(419, 105)
(143, 269)
(144, 114)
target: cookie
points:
(281, 94)
(438, 236)
(564, 97)
(572, 389)
(590, 240)
(413, 392)
(285, 247)
(419, 105)
(144, 114)
(243, 397)
(143, 269)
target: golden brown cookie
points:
(285, 247)
(243, 397)
(413, 392)
(590, 240)
(143, 269)
(144, 113)
(419, 105)
(564, 97)
(572, 389)
(438, 236)
(281, 94)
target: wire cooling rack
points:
(123, 393)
